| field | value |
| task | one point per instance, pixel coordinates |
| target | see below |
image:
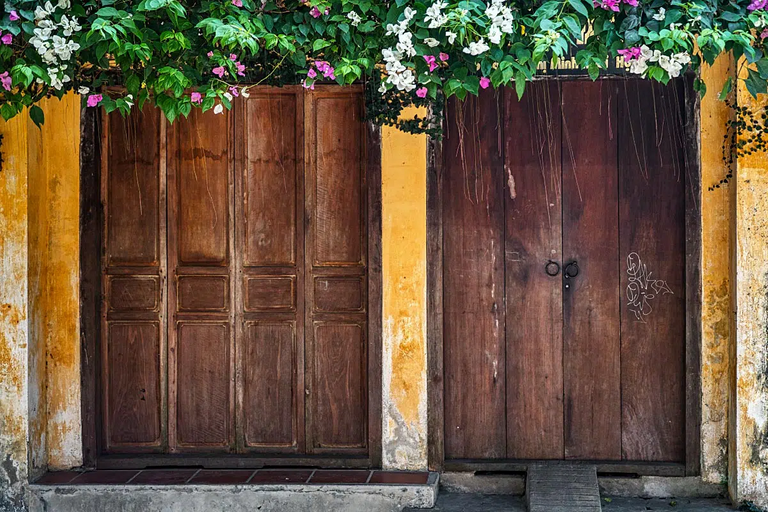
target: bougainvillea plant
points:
(190, 54)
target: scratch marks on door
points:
(642, 288)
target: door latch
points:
(570, 271)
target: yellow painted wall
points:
(404, 260)
(748, 436)
(54, 247)
(716, 206)
(13, 312)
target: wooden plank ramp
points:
(562, 487)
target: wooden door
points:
(587, 177)
(258, 340)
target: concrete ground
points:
(460, 502)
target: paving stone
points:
(562, 487)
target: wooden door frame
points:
(91, 222)
(435, 378)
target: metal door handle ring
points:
(548, 268)
(571, 270)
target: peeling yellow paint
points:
(13, 312)
(749, 429)
(404, 242)
(54, 203)
(715, 271)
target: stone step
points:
(562, 487)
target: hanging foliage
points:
(181, 55)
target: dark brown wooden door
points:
(588, 178)
(235, 279)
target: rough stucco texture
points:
(13, 315)
(54, 227)
(750, 426)
(404, 239)
(715, 271)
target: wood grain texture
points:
(652, 249)
(473, 281)
(269, 384)
(336, 247)
(532, 133)
(591, 350)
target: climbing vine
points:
(181, 55)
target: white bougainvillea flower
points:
(218, 109)
(431, 42)
(477, 47)
(354, 18)
(451, 36)
(434, 15)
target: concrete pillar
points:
(404, 337)
(748, 432)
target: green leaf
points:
(37, 115)
(726, 89)
(579, 6)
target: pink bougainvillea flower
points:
(325, 68)
(315, 12)
(608, 5)
(240, 69)
(196, 97)
(757, 4)
(630, 54)
(308, 86)
(210, 54)
(421, 92)
(13, 16)
(94, 100)
(444, 56)
(6, 81)
(327, 11)
(7, 39)
(485, 82)
(234, 91)
(633, 3)
(232, 57)
(237, 3)
(311, 73)
(219, 71)
(430, 62)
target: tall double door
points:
(564, 273)
(235, 279)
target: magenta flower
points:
(7, 39)
(94, 100)
(484, 82)
(633, 3)
(630, 54)
(326, 69)
(6, 81)
(234, 92)
(196, 97)
(608, 5)
(421, 92)
(757, 4)
(430, 62)
(219, 71)
(240, 69)
(444, 56)
(232, 57)
(13, 16)
(311, 73)
(210, 54)
(237, 3)
(315, 12)
(308, 86)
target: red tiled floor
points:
(222, 476)
(398, 477)
(339, 476)
(105, 477)
(281, 476)
(57, 477)
(163, 476)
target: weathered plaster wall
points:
(716, 209)
(404, 242)
(13, 314)
(748, 479)
(54, 239)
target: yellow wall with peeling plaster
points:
(43, 234)
(404, 265)
(716, 209)
(749, 428)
